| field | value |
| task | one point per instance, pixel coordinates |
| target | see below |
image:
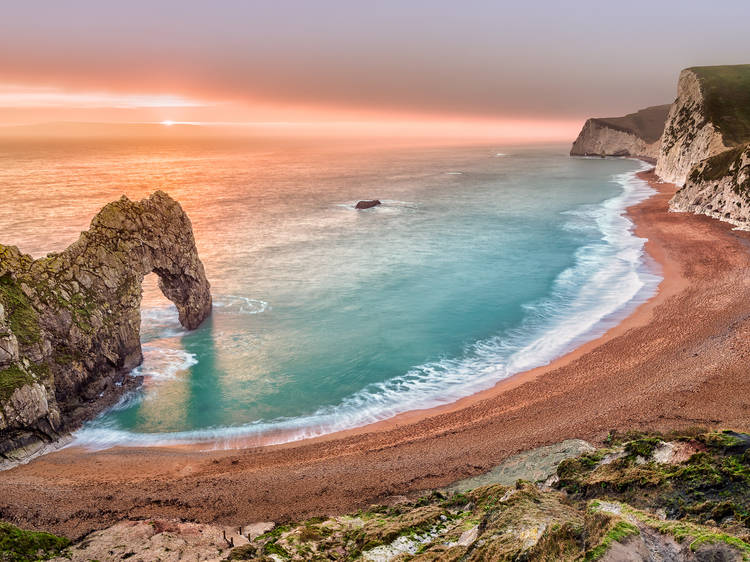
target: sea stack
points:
(367, 204)
(70, 322)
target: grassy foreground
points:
(683, 496)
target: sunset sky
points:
(538, 66)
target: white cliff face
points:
(598, 139)
(721, 193)
(688, 136)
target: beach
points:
(678, 361)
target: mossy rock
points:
(11, 379)
(22, 318)
(17, 545)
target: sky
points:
(539, 66)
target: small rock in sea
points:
(367, 204)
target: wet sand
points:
(679, 360)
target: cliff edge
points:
(710, 115)
(70, 322)
(636, 134)
(701, 142)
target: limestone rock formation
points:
(70, 322)
(688, 137)
(710, 115)
(703, 146)
(637, 134)
(719, 187)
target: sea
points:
(484, 260)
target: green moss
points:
(274, 533)
(310, 533)
(22, 318)
(721, 439)
(12, 378)
(642, 447)
(274, 548)
(710, 538)
(17, 545)
(456, 500)
(717, 166)
(65, 359)
(573, 466)
(618, 533)
(696, 534)
(726, 93)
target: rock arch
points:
(70, 322)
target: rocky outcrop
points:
(719, 187)
(689, 136)
(367, 204)
(637, 135)
(679, 497)
(70, 322)
(710, 115)
(536, 465)
(705, 143)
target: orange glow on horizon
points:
(33, 105)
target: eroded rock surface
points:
(719, 187)
(70, 322)
(689, 136)
(535, 465)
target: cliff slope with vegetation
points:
(701, 142)
(706, 145)
(710, 115)
(70, 322)
(719, 187)
(679, 497)
(637, 134)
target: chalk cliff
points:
(688, 136)
(719, 187)
(700, 142)
(70, 322)
(704, 147)
(637, 134)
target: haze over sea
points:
(483, 261)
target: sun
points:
(168, 123)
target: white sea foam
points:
(161, 362)
(161, 322)
(610, 277)
(233, 304)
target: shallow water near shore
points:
(482, 262)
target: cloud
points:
(20, 96)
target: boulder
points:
(367, 204)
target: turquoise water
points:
(483, 261)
